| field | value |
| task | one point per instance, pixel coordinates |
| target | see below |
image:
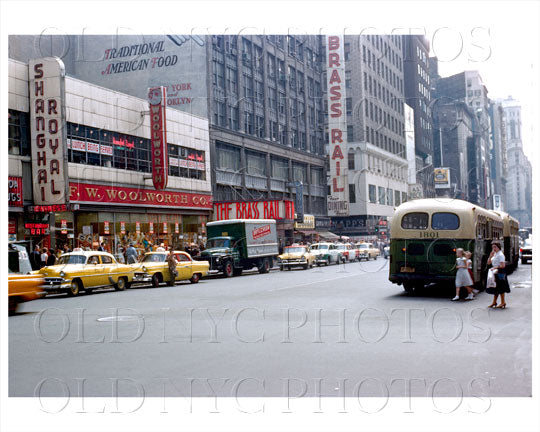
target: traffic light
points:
(376, 229)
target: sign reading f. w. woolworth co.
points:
(47, 130)
(158, 136)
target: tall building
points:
(418, 96)
(519, 193)
(377, 160)
(467, 87)
(499, 166)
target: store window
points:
(372, 194)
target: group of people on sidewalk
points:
(497, 282)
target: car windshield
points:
(72, 259)
(341, 246)
(218, 243)
(295, 250)
(154, 258)
(363, 246)
(319, 246)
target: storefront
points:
(305, 232)
(117, 216)
(280, 210)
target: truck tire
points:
(264, 266)
(228, 269)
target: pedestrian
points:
(66, 248)
(58, 252)
(463, 279)
(35, 258)
(161, 248)
(497, 261)
(171, 263)
(44, 257)
(101, 247)
(131, 254)
(51, 259)
(468, 255)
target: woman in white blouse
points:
(497, 261)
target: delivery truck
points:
(240, 244)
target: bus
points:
(425, 234)
(511, 240)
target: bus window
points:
(444, 221)
(415, 221)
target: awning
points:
(306, 232)
(328, 235)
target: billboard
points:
(47, 130)
(441, 178)
(129, 63)
(338, 200)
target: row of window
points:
(99, 147)
(386, 196)
(229, 159)
(382, 69)
(390, 99)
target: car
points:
(368, 251)
(346, 252)
(526, 251)
(153, 268)
(326, 253)
(296, 256)
(22, 285)
(80, 271)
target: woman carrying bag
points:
(497, 261)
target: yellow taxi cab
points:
(85, 271)
(22, 286)
(368, 251)
(153, 267)
(296, 256)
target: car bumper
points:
(142, 277)
(292, 263)
(526, 255)
(56, 284)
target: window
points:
(280, 169)
(219, 74)
(19, 135)
(389, 197)
(382, 199)
(248, 122)
(415, 220)
(444, 221)
(350, 134)
(350, 158)
(228, 157)
(316, 176)
(256, 163)
(352, 193)
(300, 173)
(233, 118)
(403, 197)
(372, 194)
(232, 83)
(397, 198)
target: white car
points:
(326, 253)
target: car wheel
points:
(228, 269)
(195, 278)
(280, 268)
(121, 284)
(156, 279)
(74, 288)
(305, 266)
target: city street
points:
(331, 331)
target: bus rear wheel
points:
(408, 287)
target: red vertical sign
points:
(158, 136)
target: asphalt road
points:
(334, 331)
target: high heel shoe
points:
(493, 305)
(501, 306)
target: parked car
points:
(369, 251)
(346, 252)
(526, 251)
(22, 285)
(326, 253)
(354, 252)
(296, 256)
(153, 267)
(85, 271)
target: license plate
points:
(407, 270)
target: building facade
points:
(418, 96)
(519, 193)
(499, 164)
(103, 156)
